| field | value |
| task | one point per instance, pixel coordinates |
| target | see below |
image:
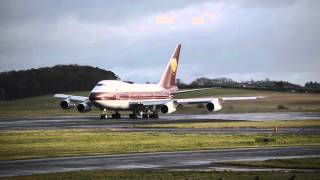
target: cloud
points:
(240, 39)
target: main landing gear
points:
(152, 115)
(117, 115)
(133, 116)
(104, 115)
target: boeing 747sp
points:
(145, 100)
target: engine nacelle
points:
(66, 104)
(169, 107)
(214, 105)
(84, 107)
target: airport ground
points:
(171, 175)
(210, 163)
(267, 139)
(275, 102)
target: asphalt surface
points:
(126, 124)
(168, 161)
(171, 160)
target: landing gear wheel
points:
(132, 116)
(155, 116)
(103, 116)
(116, 116)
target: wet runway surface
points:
(126, 124)
(170, 160)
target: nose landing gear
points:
(104, 114)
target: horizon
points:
(155, 82)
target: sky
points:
(238, 39)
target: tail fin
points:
(168, 79)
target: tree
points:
(49, 80)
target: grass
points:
(62, 143)
(241, 124)
(292, 163)
(293, 102)
(39, 106)
(49, 106)
(170, 175)
(223, 92)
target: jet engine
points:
(169, 107)
(84, 107)
(66, 104)
(214, 105)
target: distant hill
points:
(261, 84)
(50, 80)
(206, 82)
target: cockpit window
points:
(99, 84)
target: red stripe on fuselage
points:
(128, 95)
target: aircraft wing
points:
(207, 100)
(151, 102)
(214, 104)
(192, 100)
(71, 97)
(196, 100)
(176, 101)
(171, 104)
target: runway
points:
(126, 124)
(197, 160)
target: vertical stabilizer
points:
(168, 79)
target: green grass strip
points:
(242, 124)
(61, 143)
(170, 175)
(294, 163)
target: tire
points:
(154, 116)
(116, 116)
(132, 116)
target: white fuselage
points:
(117, 95)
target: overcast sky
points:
(239, 39)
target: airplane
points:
(145, 100)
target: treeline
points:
(312, 87)
(50, 80)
